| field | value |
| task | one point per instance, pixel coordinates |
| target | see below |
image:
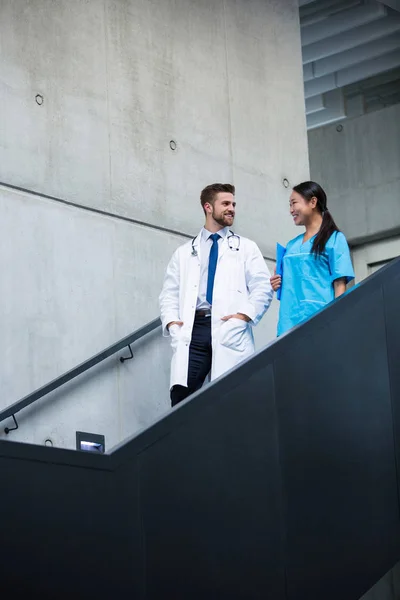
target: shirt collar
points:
(205, 234)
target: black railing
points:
(76, 371)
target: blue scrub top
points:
(307, 280)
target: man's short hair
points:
(209, 192)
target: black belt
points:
(203, 313)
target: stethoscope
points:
(233, 243)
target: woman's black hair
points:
(309, 190)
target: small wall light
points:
(90, 442)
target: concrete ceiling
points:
(351, 57)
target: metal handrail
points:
(78, 370)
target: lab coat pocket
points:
(233, 334)
(175, 333)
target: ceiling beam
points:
(351, 39)
(308, 71)
(326, 117)
(395, 4)
(315, 87)
(369, 86)
(344, 21)
(352, 74)
(352, 57)
(355, 106)
(322, 13)
(334, 110)
(321, 5)
(368, 68)
(315, 104)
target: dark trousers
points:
(200, 353)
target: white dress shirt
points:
(205, 247)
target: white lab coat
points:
(241, 285)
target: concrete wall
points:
(359, 167)
(119, 81)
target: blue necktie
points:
(212, 266)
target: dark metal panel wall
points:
(52, 521)
(338, 464)
(391, 291)
(126, 543)
(211, 503)
(66, 531)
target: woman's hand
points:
(276, 281)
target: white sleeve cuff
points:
(247, 309)
(165, 321)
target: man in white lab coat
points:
(216, 289)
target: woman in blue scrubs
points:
(317, 264)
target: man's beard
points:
(223, 220)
